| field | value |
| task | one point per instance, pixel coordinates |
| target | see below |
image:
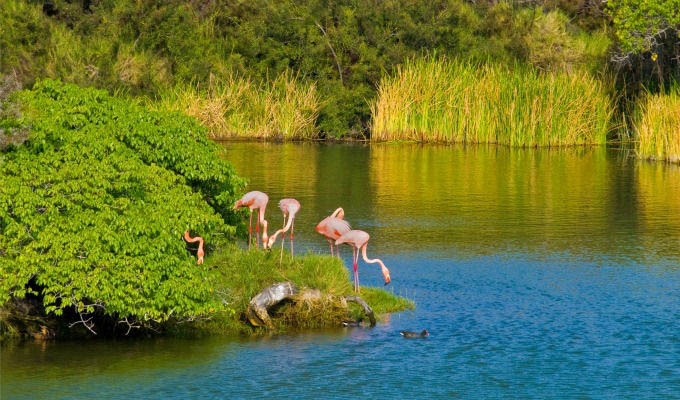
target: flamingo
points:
(255, 200)
(198, 239)
(333, 226)
(289, 207)
(359, 240)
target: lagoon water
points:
(539, 273)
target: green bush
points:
(94, 204)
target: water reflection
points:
(477, 200)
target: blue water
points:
(556, 288)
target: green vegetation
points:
(658, 126)
(239, 275)
(453, 101)
(284, 108)
(167, 49)
(94, 204)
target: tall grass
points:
(240, 107)
(658, 126)
(438, 100)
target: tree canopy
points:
(94, 204)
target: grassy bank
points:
(282, 108)
(239, 275)
(440, 100)
(658, 126)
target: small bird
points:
(359, 241)
(333, 226)
(353, 323)
(415, 335)
(255, 200)
(198, 239)
(289, 207)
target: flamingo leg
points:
(257, 230)
(250, 229)
(330, 242)
(283, 239)
(355, 257)
(292, 229)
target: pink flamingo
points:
(333, 226)
(359, 240)
(198, 239)
(255, 200)
(289, 207)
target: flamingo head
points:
(265, 237)
(386, 274)
(238, 204)
(270, 242)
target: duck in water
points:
(414, 335)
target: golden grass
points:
(439, 100)
(283, 108)
(658, 127)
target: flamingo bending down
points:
(198, 239)
(289, 207)
(359, 240)
(334, 226)
(255, 200)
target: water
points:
(539, 273)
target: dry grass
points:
(658, 127)
(439, 100)
(283, 108)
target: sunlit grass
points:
(439, 100)
(239, 275)
(283, 108)
(658, 126)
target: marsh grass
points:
(282, 108)
(432, 99)
(658, 126)
(239, 275)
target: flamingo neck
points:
(338, 213)
(383, 268)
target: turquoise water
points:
(539, 273)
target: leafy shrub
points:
(93, 207)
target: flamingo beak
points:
(200, 260)
(386, 274)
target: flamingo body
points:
(255, 201)
(359, 241)
(333, 226)
(289, 208)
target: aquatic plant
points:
(94, 204)
(441, 100)
(281, 108)
(657, 126)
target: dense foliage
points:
(94, 204)
(344, 47)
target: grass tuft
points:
(658, 126)
(283, 108)
(438, 100)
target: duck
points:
(358, 322)
(414, 335)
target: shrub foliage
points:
(93, 206)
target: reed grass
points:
(282, 108)
(432, 99)
(658, 126)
